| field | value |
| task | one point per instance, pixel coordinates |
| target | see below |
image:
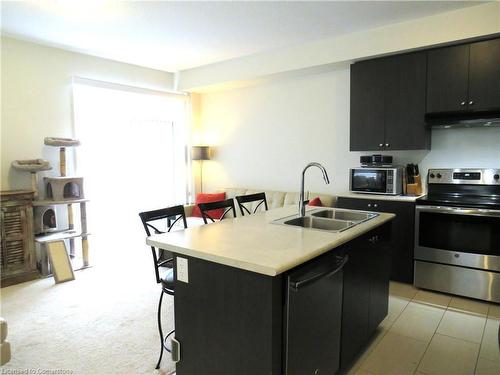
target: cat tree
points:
(67, 190)
(61, 190)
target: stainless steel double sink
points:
(329, 220)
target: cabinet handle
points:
(471, 102)
(375, 205)
(462, 104)
(369, 204)
(387, 145)
(380, 145)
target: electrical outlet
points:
(182, 270)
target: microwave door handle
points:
(296, 285)
(459, 211)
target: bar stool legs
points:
(160, 331)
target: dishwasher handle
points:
(296, 285)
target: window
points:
(132, 154)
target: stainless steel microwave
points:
(387, 181)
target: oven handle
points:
(459, 211)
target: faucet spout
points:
(302, 207)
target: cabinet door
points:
(484, 76)
(356, 300)
(403, 232)
(15, 252)
(380, 269)
(405, 127)
(367, 106)
(447, 79)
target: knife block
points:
(415, 188)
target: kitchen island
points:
(233, 301)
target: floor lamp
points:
(200, 153)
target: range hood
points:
(469, 120)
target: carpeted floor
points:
(104, 322)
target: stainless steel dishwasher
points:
(314, 316)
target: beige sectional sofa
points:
(274, 199)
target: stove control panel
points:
(464, 176)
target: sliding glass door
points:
(132, 158)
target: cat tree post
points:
(85, 243)
(71, 223)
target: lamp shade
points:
(200, 153)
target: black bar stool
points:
(227, 206)
(163, 260)
(257, 197)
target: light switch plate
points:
(182, 270)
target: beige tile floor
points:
(428, 333)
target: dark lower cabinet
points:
(403, 232)
(366, 291)
(355, 315)
(307, 321)
(228, 321)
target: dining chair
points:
(224, 206)
(257, 197)
(163, 265)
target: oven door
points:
(467, 237)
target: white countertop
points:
(252, 243)
(383, 197)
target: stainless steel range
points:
(457, 233)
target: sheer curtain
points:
(132, 158)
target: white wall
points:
(264, 135)
(470, 22)
(36, 99)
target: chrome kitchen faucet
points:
(302, 206)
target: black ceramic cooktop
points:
(457, 200)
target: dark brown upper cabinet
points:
(388, 104)
(484, 76)
(367, 106)
(464, 78)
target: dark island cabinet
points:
(388, 104)
(464, 78)
(366, 290)
(232, 321)
(403, 232)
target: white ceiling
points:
(179, 35)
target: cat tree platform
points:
(32, 165)
(61, 142)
